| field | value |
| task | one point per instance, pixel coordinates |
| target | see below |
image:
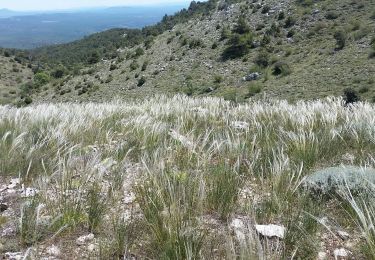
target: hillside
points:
(12, 75)
(291, 45)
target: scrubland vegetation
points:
(185, 178)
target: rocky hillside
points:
(291, 49)
(12, 75)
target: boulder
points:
(252, 76)
(53, 251)
(271, 231)
(339, 253)
(334, 179)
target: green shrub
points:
(262, 59)
(225, 33)
(113, 67)
(253, 89)
(139, 52)
(218, 79)
(332, 15)
(265, 9)
(350, 96)
(94, 58)
(141, 81)
(340, 37)
(239, 45)
(373, 15)
(134, 65)
(241, 27)
(290, 21)
(281, 68)
(195, 43)
(41, 79)
(59, 72)
(281, 16)
(144, 66)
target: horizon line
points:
(177, 3)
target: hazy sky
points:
(68, 4)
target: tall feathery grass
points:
(177, 171)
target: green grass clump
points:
(223, 186)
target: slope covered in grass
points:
(291, 45)
(183, 178)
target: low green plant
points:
(96, 207)
(223, 186)
(281, 69)
(340, 37)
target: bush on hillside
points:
(94, 58)
(262, 59)
(281, 68)
(239, 45)
(141, 81)
(351, 96)
(332, 15)
(253, 89)
(41, 78)
(340, 37)
(139, 52)
(290, 21)
(241, 27)
(134, 65)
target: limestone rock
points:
(85, 239)
(271, 230)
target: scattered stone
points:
(252, 76)
(322, 256)
(342, 252)
(343, 235)
(240, 125)
(14, 183)
(85, 239)
(14, 255)
(239, 229)
(271, 230)
(53, 251)
(316, 11)
(92, 248)
(29, 192)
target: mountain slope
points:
(299, 49)
(12, 75)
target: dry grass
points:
(165, 177)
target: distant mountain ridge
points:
(24, 30)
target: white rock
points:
(29, 192)
(84, 239)
(344, 235)
(13, 255)
(340, 253)
(271, 230)
(14, 182)
(239, 229)
(92, 248)
(53, 251)
(322, 256)
(240, 125)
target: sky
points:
(28, 5)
